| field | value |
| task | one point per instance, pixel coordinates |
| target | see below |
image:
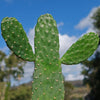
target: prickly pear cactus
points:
(48, 78)
(81, 50)
(47, 66)
(16, 38)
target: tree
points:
(2, 55)
(13, 67)
(91, 69)
(2, 72)
(92, 75)
(22, 92)
(96, 20)
(68, 90)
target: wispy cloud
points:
(60, 24)
(87, 21)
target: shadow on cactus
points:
(48, 78)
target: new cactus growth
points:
(48, 80)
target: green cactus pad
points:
(48, 78)
(81, 50)
(16, 39)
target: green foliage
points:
(91, 69)
(75, 98)
(13, 61)
(2, 75)
(16, 39)
(7, 91)
(68, 90)
(22, 92)
(81, 50)
(92, 75)
(2, 90)
(2, 72)
(13, 66)
(2, 55)
(96, 20)
(78, 93)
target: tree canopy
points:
(91, 69)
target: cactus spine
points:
(48, 80)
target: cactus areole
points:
(48, 78)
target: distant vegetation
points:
(77, 90)
(13, 67)
(23, 92)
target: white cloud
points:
(28, 69)
(60, 24)
(31, 34)
(87, 21)
(72, 70)
(71, 77)
(65, 42)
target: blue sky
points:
(72, 17)
(69, 12)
